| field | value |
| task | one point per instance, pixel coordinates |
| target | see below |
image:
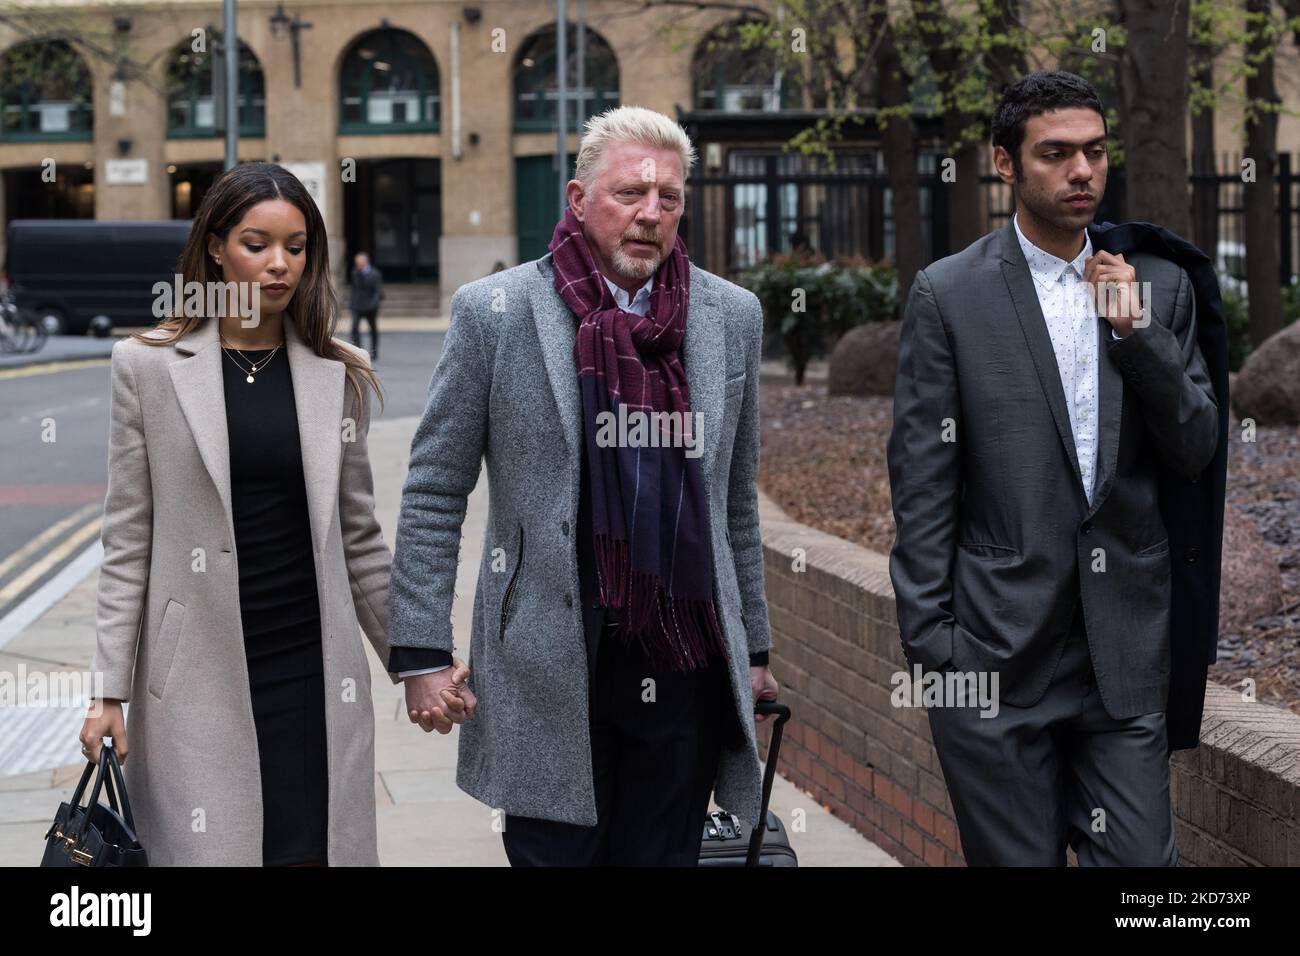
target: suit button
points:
(1191, 554)
(568, 599)
(564, 526)
(1086, 527)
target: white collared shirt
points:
(638, 304)
(1072, 324)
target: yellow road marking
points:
(48, 368)
(44, 538)
(73, 543)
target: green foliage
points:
(809, 302)
(1238, 320)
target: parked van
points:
(64, 272)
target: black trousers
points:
(372, 318)
(654, 762)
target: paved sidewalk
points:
(423, 817)
(61, 348)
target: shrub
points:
(809, 302)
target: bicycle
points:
(18, 333)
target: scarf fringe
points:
(674, 633)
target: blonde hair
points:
(629, 124)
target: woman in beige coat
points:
(241, 550)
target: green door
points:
(537, 203)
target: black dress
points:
(278, 606)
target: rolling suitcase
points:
(726, 842)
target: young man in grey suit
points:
(620, 628)
(1030, 418)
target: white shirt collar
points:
(638, 303)
(1045, 267)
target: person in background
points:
(367, 293)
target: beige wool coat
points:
(169, 635)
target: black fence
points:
(769, 203)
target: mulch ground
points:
(823, 462)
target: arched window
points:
(734, 74)
(45, 93)
(536, 93)
(192, 107)
(388, 84)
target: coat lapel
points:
(703, 357)
(201, 393)
(1110, 400)
(318, 397)
(557, 330)
(1020, 285)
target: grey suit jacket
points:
(506, 388)
(996, 541)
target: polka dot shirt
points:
(1072, 324)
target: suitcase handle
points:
(782, 712)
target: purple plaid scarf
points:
(650, 516)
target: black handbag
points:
(95, 835)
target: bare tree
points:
(1206, 44)
(1259, 203)
(972, 58)
(1153, 110)
(87, 32)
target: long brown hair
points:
(314, 308)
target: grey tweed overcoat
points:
(506, 388)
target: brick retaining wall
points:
(835, 647)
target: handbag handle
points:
(81, 784)
(104, 762)
(116, 769)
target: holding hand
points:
(436, 701)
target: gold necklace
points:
(255, 367)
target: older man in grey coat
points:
(615, 652)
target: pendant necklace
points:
(255, 367)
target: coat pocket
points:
(1160, 547)
(163, 654)
(986, 550)
(508, 602)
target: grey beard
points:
(634, 267)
